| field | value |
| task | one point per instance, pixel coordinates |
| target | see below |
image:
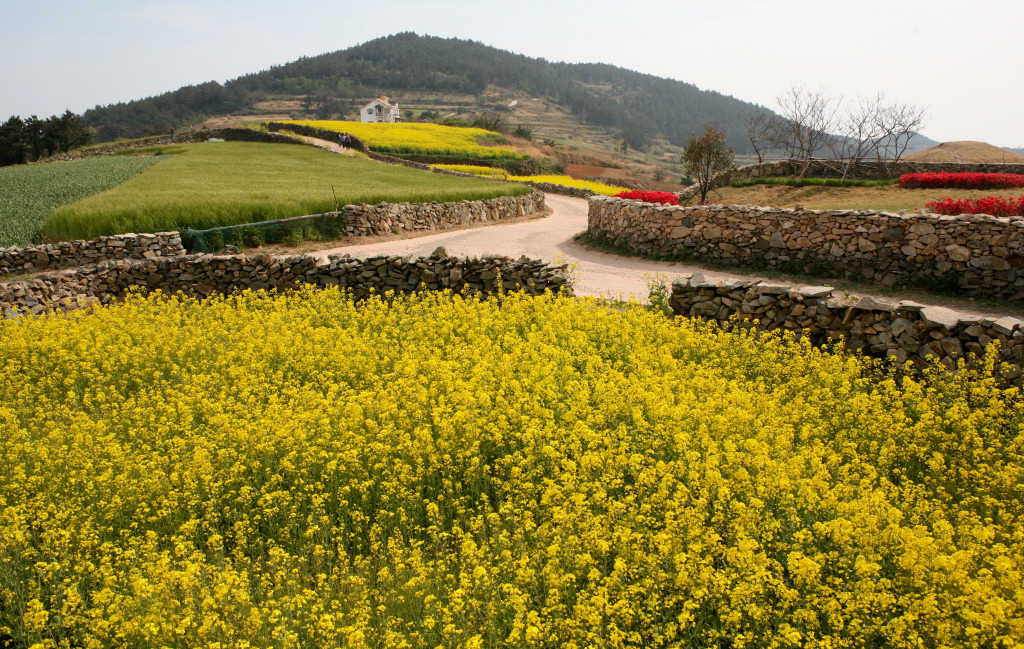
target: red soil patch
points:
(590, 171)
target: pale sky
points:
(961, 62)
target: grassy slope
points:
(208, 185)
(890, 198)
(29, 192)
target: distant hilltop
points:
(966, 151)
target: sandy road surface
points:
(550, 239)
(597, 273)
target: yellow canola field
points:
(476, 170)
(424, 140)
(300, 471)
(569, 181)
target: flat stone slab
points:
(1006, 325)
(940, 316)
(875, 304)
(816, 291)
(910, 305)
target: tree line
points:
(28, 140)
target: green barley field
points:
(226, 183)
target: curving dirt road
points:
(550, 239)
(595, 273)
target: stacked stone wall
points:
(901, 331)
(387, 218)
(979, 255)
(204, 275)
(865, 169)
(67, 254)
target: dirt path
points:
(550, 239)
(596, 273)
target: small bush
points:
(523, 131)
(488, 121)
(294, 237)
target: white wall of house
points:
(379, 111)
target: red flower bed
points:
(966, 180)
(666, 198)
(989, 205)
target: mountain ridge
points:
(639, 106)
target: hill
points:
(965, 151)
(434, 74)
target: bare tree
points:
(897, 124)
(866, 127)
(759, 124)
(859, 132)
(809, 119)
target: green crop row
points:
(28, 193)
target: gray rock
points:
(1007, 325)
(938, 316)
(988, 262)
(957, 252)
(815, 291)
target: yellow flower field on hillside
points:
(301, 471)
(423, 140)
(569, 181)
(476, 170)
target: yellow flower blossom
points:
(303, 471)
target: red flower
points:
(964, 180)
(989, 205)
(665, 198)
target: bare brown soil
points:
(582, 172)
(965, 151)
(890, 198)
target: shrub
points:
(962, 180)
(665, 198)
(523, 131)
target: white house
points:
(380, 110)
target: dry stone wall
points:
(67, 254)
(900, 331)
(866, 169)
(980, 255)
(204, 275)
(387, 218)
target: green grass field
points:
(214, 184)
(28, 193)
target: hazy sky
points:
(960, 61)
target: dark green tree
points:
(13, 143)
(706, 157)
(66, 132)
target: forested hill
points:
(638, 105)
